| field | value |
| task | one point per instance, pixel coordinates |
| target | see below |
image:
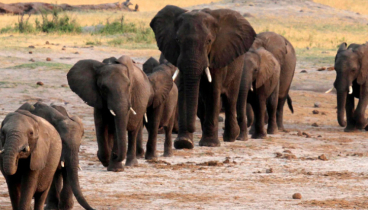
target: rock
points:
(278, 154)
(301, 10)
(323, 113)
(247, 15)
(227, 160)
(30, 52)
(299, 133)
(64, 85)
(287, 151)
(315, 112)
(297, 196)
(321, 69)
(322, 157)
(269, 171)
(32, 60)
(307, 135)
(251, 4)
(319, 136)
(31, 46)
(289, 156)
(76, 53)
(315, 125)
(40, 83)
(331, 68)
(304, 71)
(48, 59)
(317, 105)
(47, 42)
(63, 48)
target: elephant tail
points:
(290, 104)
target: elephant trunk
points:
(10, 156)
(72, 166)
(191, 98)
(120, 129)
(341, 102)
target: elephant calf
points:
(262, 71)
(30, 152)
(163, 115)
(71, 131)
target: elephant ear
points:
(111, 60)
(162, 84)
(27, 106)
(341, 49)
(234, 37)
(82, 79)
(149, 65)
(61, 109)
(363, 58)
(40, 147)
(267, 68)
(163, 25)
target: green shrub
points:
(58, 24)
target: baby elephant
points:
(66, 181)
(30, 154)
(263, 73)
(162, 115)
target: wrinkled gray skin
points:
(193, 41)
(262, 71)
(351, 66)
(284, 53)
(148, 67)
(162, 116)
(31, 154)
(116, 86)
(66, 181)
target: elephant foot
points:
(272, 130)
(209, 142)
(350, 129)
(51, 206)
(366, 128)
(361, 124)
(168, 153)
(252, 130)
(150, 155)
(132, 161)
(242, 136)
(103, 160)
(183, 143)
(259, 136)
(140, 153)
(115, 167)
(231, 134)
(66, 206)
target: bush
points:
(57, 24)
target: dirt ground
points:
(315, 158)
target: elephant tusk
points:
(208, 73)
(145, 117)
(62, 164)
(329, 90)
(112, 112)
(175, 74)
(79, 167)
(1, 151)
(251, 88)
(28, 149)
(350, 89)
(131, 109)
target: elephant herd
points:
(223, 65)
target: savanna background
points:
(256, 174)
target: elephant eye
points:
(209, 41)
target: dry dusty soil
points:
(256, 174)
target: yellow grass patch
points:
(360, 6)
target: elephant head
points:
(149, 65)
(24, 135)
(260, 65)
(196, 42)
(351, 64)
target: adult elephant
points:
(351, 65)
(208, 47)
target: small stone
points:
(48, 59)
(317, 105)
(47, 42)
(315, 112)
(304, 71)
(297, 196)
(287, 151)
(63, 48)
(323, 113)
(30, 52)
(307, 135)
(64, 85)
(289, 156)
(32, 60)
(251, 4)
(322, 157)
(301, 10)
(278, 154)
(299, 133)
(269, 171)
(309, 173)
(321, 69)
(319, 136)
(40, 83)
(76, 53)
(331, 68)
(227, 160)
(315, 125)
(31, 46)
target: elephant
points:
(120, 93)
(262, 72)
(351, 66)
(208, 47)
(162, 116)
(30, 153)
(71, 131)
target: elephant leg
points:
(40, 199)
(212, 96)
(272, 110)
(112, 137)
(176, 121)
(349, 107)
(359, 113)
(28, 189)
(259, 112)
(280, 113)
(201, 111)
(14, 188)
(154, 123)
(66, 195)
(242, 110)
(232, 129)
(250, 115)
(132, 146)
(168, 139)
(140, 150)
(102, 134)
(53, 197)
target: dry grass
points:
(360, 6)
